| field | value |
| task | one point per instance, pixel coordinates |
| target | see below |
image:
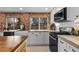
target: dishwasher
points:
(53, 42)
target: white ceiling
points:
(26, 9)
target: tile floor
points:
(38, 49)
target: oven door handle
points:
(52, 37)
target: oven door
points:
(53, 43)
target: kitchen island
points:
(13, 43)
(68, 43)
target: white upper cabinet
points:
(72, 12)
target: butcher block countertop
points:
(11, 43)
(73, 40)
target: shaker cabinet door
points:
(61, 45)
(38, 38)
(31, 38)
(45, 38)
(71, 48)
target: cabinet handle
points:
(73, 50)
(65, 50)
(61, 42)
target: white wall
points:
(56, 9)
(66, 24)
(72, 12)
(52, 17)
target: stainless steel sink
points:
(8, 34)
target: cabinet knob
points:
(65, 50)
(61, 42)
(73, 50)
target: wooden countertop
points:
(73, 40)
(10, 43)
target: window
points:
(34, 21)
(43, 23)
(12, 23)
(38, 23)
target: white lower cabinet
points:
(38, 38)
(44, 37)
(61, 45)
(71, 48)
(31, 38)
(68, 48)
(20, 33)
(65, 46)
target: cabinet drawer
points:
(72, 48)
(69, 49)
(61, 45)
(61, 42)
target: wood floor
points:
(38, 49)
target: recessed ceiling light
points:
(46, 9)
(21, 8)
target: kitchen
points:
(38, 29)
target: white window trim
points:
(39, 23)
